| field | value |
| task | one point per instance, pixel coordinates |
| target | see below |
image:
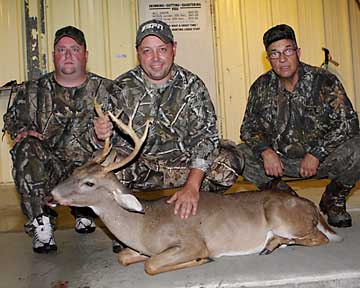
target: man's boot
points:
(333, 204)
(43, 238)
(118, 246)
(277, 184)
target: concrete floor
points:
(86, 261)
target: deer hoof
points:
(265, 251)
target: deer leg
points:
(177, 257)
(275, 242)
(128, 256)
(293, 222)
(315, 238)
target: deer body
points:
(237, 224)
(158, 227)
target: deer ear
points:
(128, 202)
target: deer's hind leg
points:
(315, 238)
(293, 220)
(178, 257)
(274, 243)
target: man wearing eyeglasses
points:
(300, 123)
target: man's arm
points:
(202, 143)
(256, 126)
(309, 165)
(107, 97)
(22, 134)
(19, 119)
(273, 165)
(202, 138)
(187, 198)
(103, 128)
(337, 121)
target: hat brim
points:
(164, 38)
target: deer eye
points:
(88, 183)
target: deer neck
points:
(126, 226)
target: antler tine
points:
(107, 147)
(137, 141)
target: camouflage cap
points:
(154, 27)
(278, 32)
(72, 32)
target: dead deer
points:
(236, 224)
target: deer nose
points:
(50, 201)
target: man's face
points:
(284, 66)
(156, 58)
(69, 57)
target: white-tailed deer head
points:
(94, 176)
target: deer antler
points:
(137, 141)
(107, 147)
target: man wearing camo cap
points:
(183, 147)
(300, 123)
(50, 121)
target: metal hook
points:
(328, 59)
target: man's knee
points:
(245, 150)
(29, 147)
(232, 155)
(29, 157)
(344, 163)
(228, 166)
(253, 169)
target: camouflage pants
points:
(36, 171)
(146, 175)
(342, 165)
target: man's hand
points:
(23, 134)
(103, 127)
(273, 165)
(309, 165)
(186, 199)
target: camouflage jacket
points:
(315, 118)
(63, 115)
(184, 119)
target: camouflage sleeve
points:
(201, 122)
(338, 123)
(21, 112)
(107, 96)
(255, 128)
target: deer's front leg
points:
(128, 256)
(178, 257)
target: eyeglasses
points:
(287, 52)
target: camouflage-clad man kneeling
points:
(300, 123)
(183, 147)
(50, 120)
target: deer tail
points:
(327, 230)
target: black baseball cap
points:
(154, 27)
(278, 32)
(72, 32)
